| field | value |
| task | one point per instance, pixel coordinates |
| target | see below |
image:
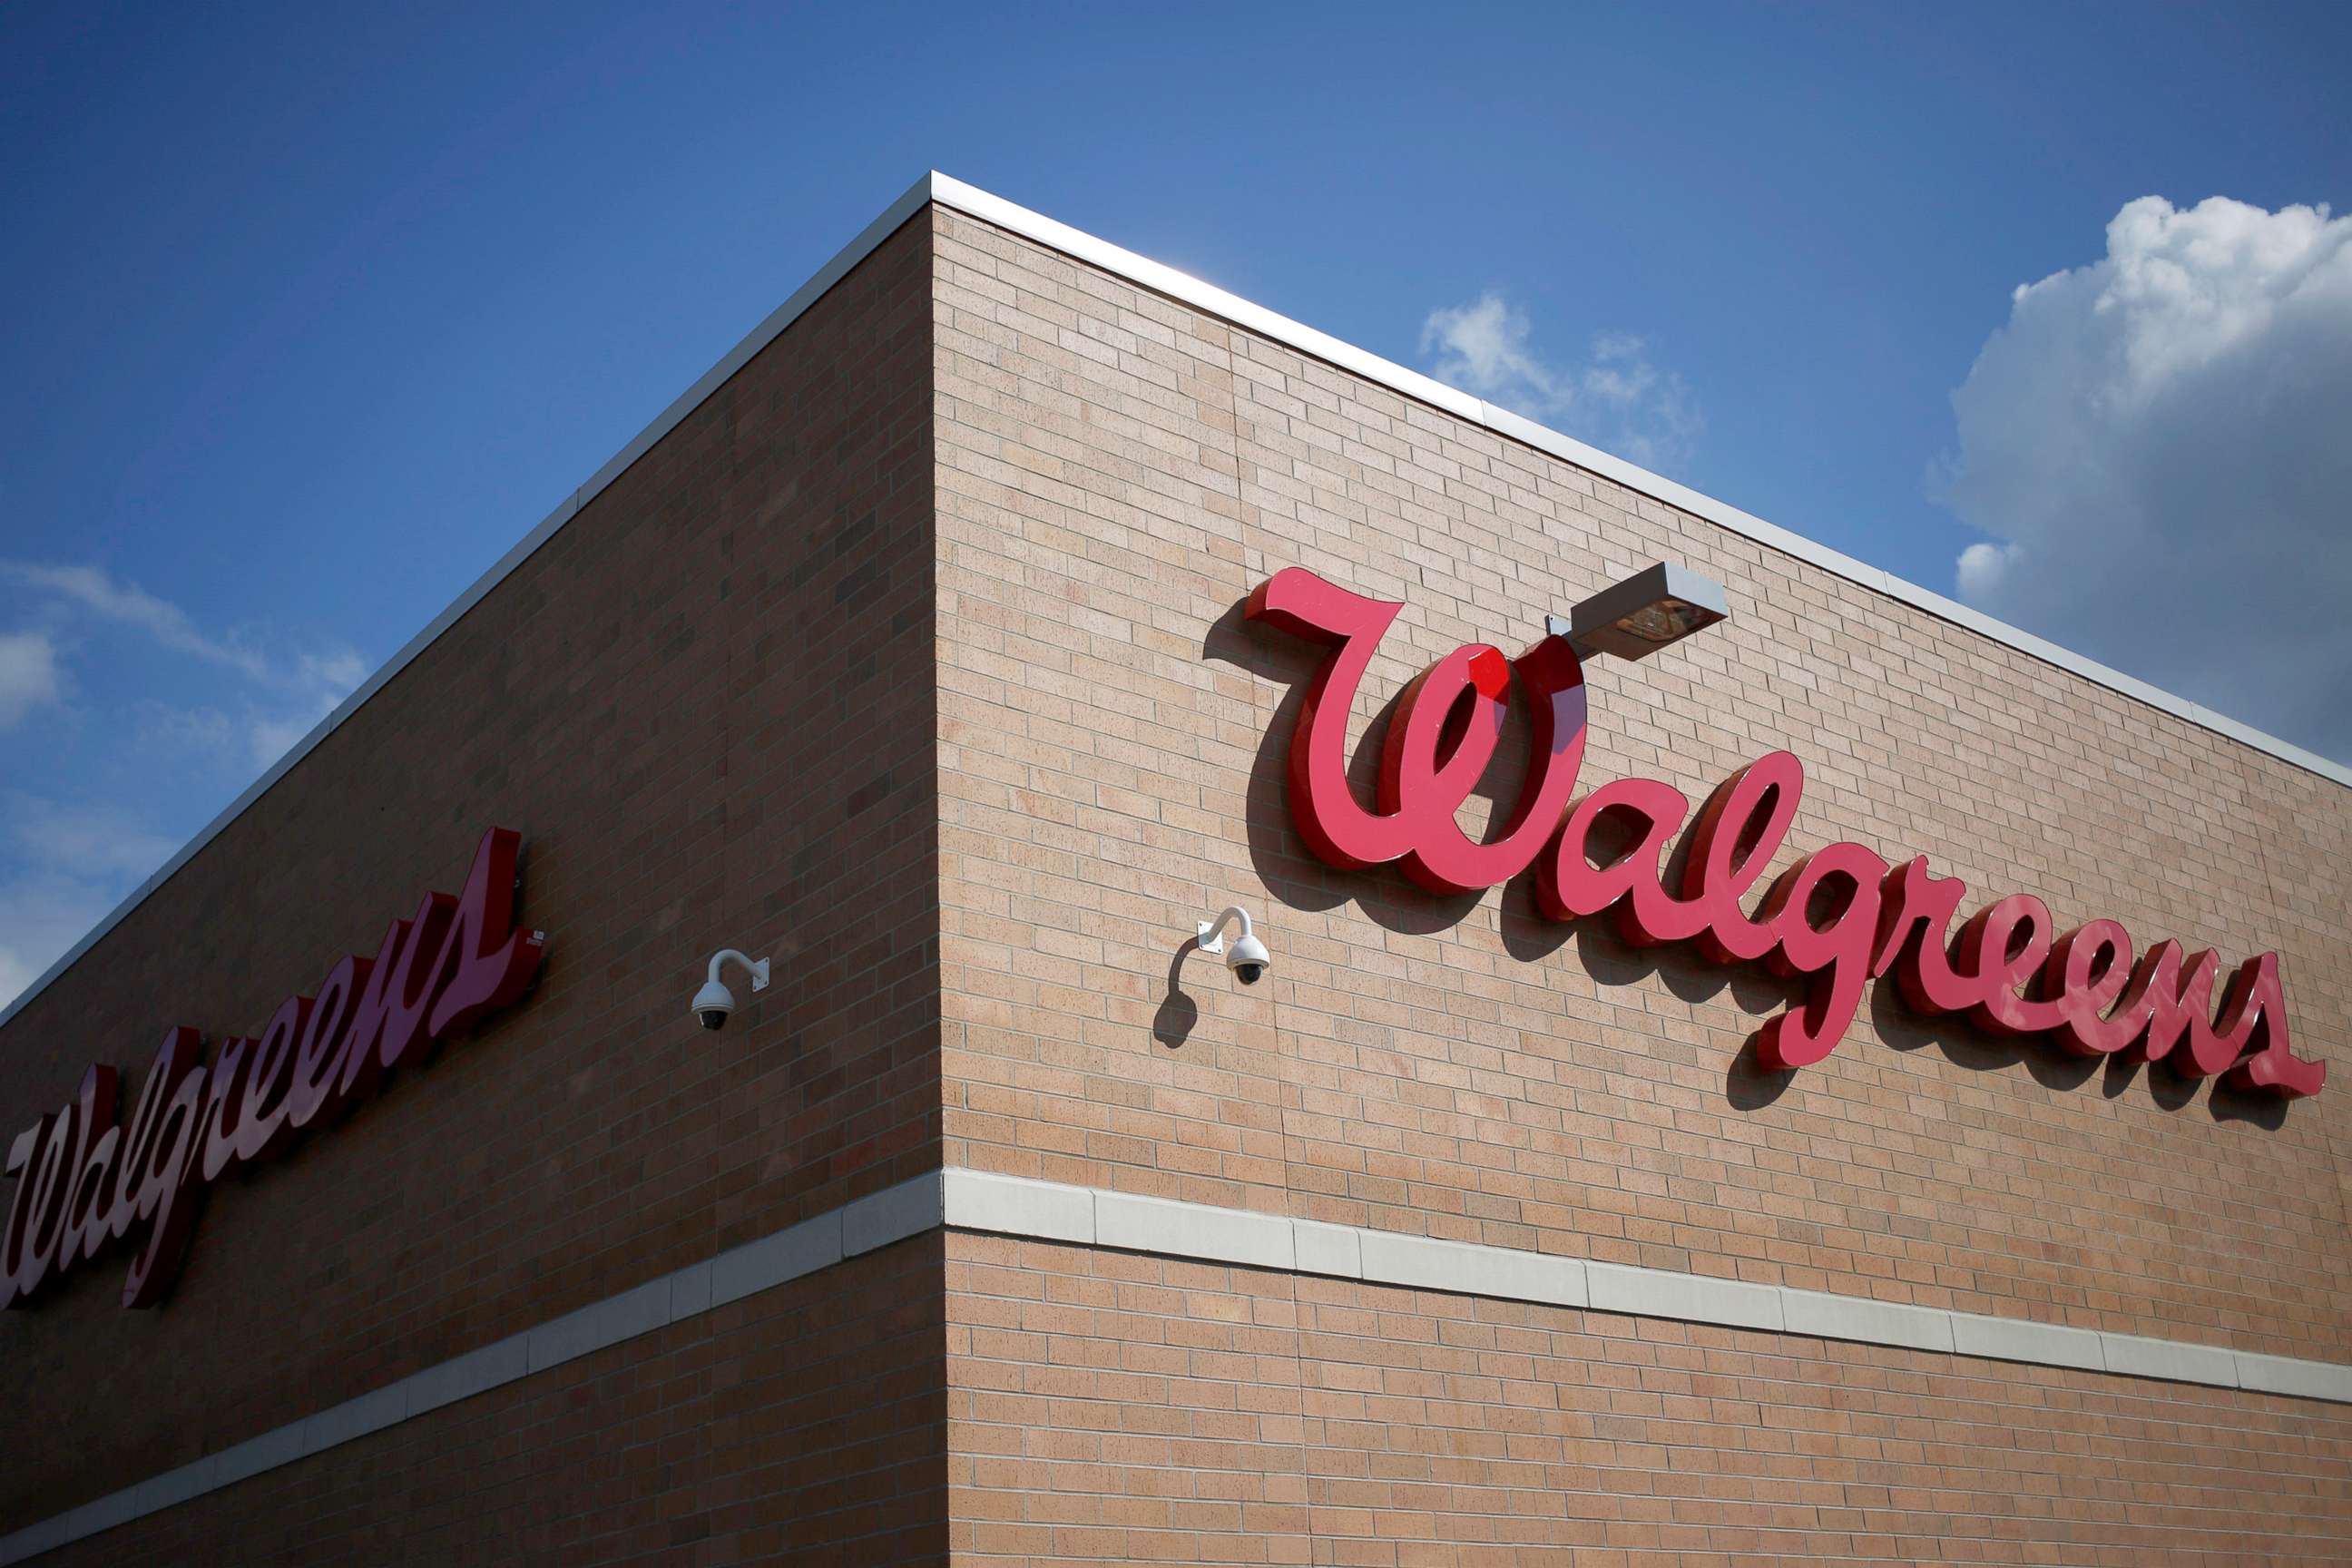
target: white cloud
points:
(1980, 566)
(41, 916)
(1616, 398)
(28, 675)
(84, 840)
(339, 671)
(298, 690)
(159, 727)
(1483, 348)
(75, 863)
(270, 736)
(132, 605)
(253, 740)
(248, 743)
(2157, 444)
(316, 688)
(64, 865)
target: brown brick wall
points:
(1109, 1407)
(1117, 471)
(802, 1424)
(707, 704)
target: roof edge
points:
(1141, 270)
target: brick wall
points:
(1117, 471)
(707, 704)
(924, 634)
(803, 1423)
(1105, 1406)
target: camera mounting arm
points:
(757, 967)
(1213, 938)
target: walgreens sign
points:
(85, 1183)
(1839, 916)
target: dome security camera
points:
(714, 1003)
(1248, 959)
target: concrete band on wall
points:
(1083, 247)
(1091, 1216)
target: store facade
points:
(1699, 1108)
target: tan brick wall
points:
(1117, 471)
(802, 1424)
(707, 704)
(1109, 1407)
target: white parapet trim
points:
(1050, 1211)
(1149, 274)
(1053, 1212)
(1693, 1298)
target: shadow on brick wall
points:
(1964, 1045)
(1172, 1026)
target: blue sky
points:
(314, 313)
